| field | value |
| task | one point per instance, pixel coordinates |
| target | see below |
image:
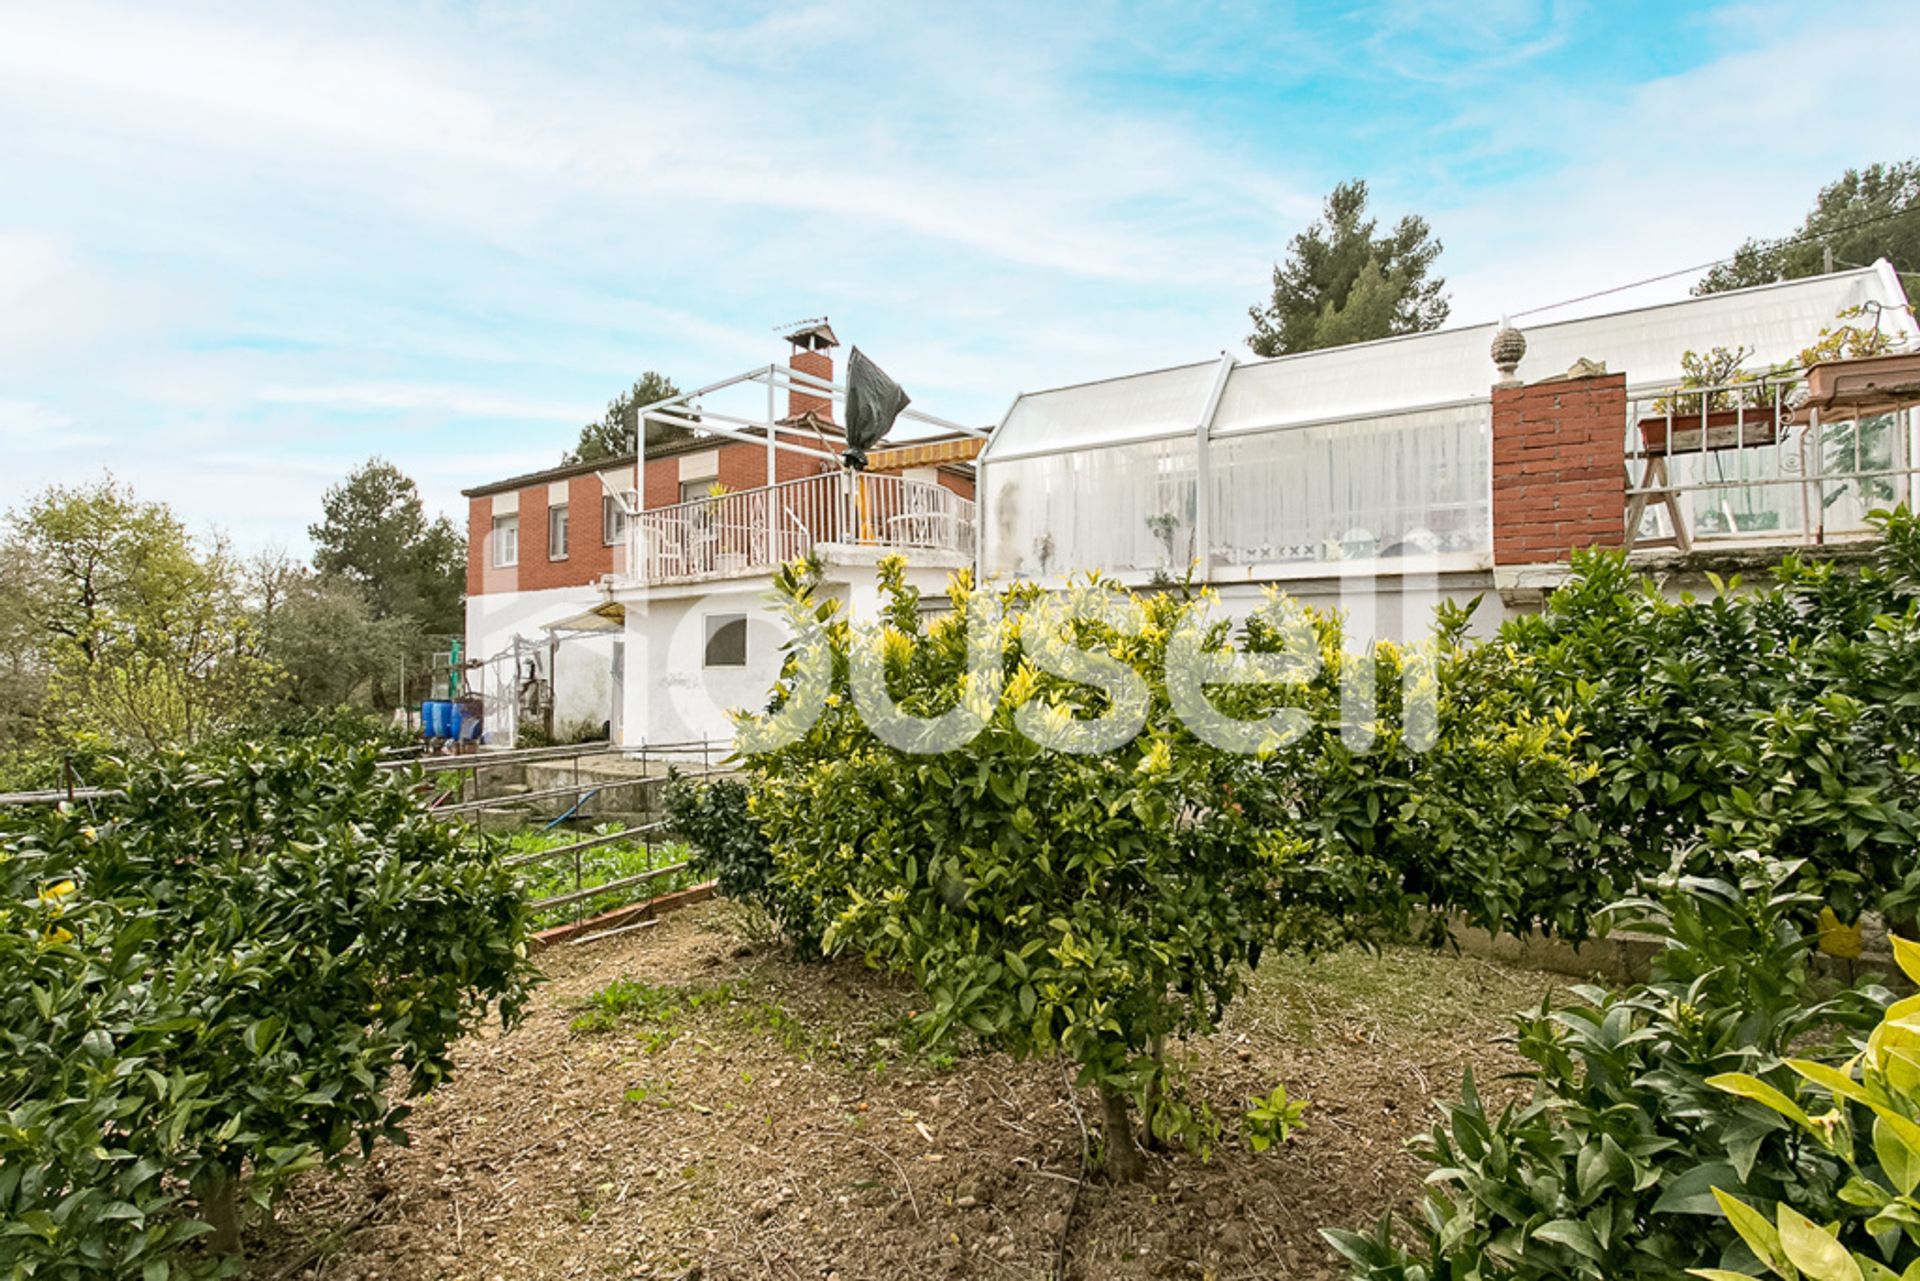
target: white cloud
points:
(1678, 171)
(464, 401)
(1019, 172)
(31, 427)
(1460, 42)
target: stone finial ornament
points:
(1509, 348)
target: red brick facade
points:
(820, 365)
(479, 523)
(1558, 483)
(740, 466)
(663, 483)
(588, 559)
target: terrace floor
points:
(750, 1116)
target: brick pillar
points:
(820, 365)
(1559, 479)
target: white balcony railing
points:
(754, 530)
(1728, 464)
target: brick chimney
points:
(813, 343)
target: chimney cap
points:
(812, 335)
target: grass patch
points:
(1396, 991)
(566, 873)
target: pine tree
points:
(1874, 196)
(1343, 284)
(613, 435)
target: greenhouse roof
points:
(1447, 366)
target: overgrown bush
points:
(240, 970)
(1862, 1113)
(1608, 1170)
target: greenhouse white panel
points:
(1773, 323)
(1161, 403)
(1387, 488)
(1387, 376)
(1117, 509)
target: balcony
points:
(1738, 466)
(753, 531)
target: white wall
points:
(583, 686)
(673, 697)
(1394, 608)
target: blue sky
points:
(245, 246)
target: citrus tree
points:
(1077, 820)
(241, 969)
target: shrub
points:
(243, 968)
(1778, 718)
(1864, 1114)
(1608, 1171)
(1049, 896)
(85, 1132)
(715, 817)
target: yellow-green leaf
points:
(1830, 1079)
(1752, 1087)
(1761, 1236)
(1813, 1249)
(1898, 1148)
(1907, 953)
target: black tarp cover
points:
(873, 402)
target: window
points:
(613, 518)
(506, 541)
(557, 532)
(726, 640)
(694, 490)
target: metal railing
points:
(600, 870)
(1728, 465)
(755, 530)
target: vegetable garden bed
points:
(618, 866)
(723, 1111)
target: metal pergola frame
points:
(684, 410)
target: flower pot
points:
(1722, 428)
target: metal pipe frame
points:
(788, 376)
(630, 835)
(594, 891)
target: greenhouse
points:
(1372, 459)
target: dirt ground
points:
(749, 1116)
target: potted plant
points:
(1741, 411)
(729, 555)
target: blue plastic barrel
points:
(426, 719)
(451, 718)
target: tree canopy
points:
(375, 534)
(132, 631)
(1858, 217)
(612, 435)
(1342, 283)
(123, 634)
